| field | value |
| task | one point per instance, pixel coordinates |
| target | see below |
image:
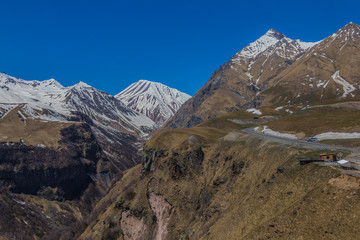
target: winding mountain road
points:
(297, 142)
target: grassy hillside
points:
(209, 188)
(317, 120)
(33, 131)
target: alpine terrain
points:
(268, 148)
(62, 143)
(155, 100)
(276, 70)
(234, 171)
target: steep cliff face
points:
(194, 184)
(29, 169)
(46, 188)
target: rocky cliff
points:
(34, 178)
(199, 183)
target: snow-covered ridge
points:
(337, 135)
(159, 102)
(49, 100)
(272, 39)
(260, 45)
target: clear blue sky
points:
(111, 44)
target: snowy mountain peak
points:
(81, 84)
(52, 82)
(350, 27)
(274, 34)
(157, 101)
(349, 31)
(276, 42)
(351, 24)
(8, 80)
(252, 50)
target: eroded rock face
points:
(38, 169)
(132, 227)
(162, 210)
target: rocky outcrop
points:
(38, 169)
(133, 228)
(162, 210)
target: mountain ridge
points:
(156, 100)
(250, 77)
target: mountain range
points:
(223, 164)
(114, 123)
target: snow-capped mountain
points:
(117, 127)
(328, 72)
(238, 82)
(51, 95)
(267, 56)
(272, 38)
(155, 100)
(275, 70)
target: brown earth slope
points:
(193, 184)
(51, 175)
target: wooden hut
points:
(328, 157)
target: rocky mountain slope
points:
(51, 174)
(214, 182)
(276, 70)
(60, 144)
(61, 149)
(327, 73)
(211, 181)
(155, 100)
(117, 128)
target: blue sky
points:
(111, 44)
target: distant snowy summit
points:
(274, 41)
(157, 101)
(49, 100)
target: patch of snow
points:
(254, 111)
(337, 135)
(347, 87)
(279, 108)
(268, 131)
(342, 161)
(19, 201)
(326, 84)
(22, 116)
